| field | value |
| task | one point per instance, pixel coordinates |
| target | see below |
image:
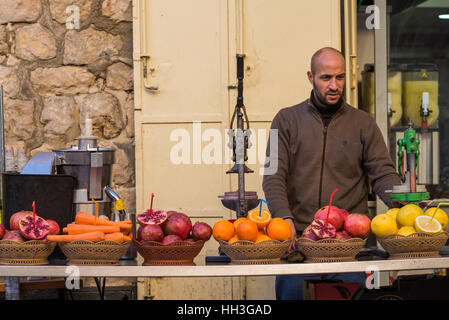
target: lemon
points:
(393, 213)
(383, 224)
(407, 214)
(422, 225)
(405, 231)
(440, 215)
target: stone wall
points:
(56, 71)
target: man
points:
(325, 144)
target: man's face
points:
(329, 78)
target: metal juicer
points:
(89, 164)
(240, 201)
(409, 191)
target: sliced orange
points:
(260, 217)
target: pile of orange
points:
(258, 226)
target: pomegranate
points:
(169, 213)
(54, 227)
(342, 236)
(2, 231)
(15, 218)
(308, 233)
(178, 224)
(152, 217)
(152, 232)
(201, 231)
(345, 213)
(358, 225)
(139, 233)
(323, 230)
(189, 240)
(336, 217)
(36, 230)
(170, 239)
(13, 235)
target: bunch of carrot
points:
(89, 227)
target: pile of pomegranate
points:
(335, 223)
(26, 226)
(169, 227)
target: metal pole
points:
(380, 78)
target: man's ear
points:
(310, 76)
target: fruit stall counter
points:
(226, 270)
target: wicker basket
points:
(33, 252)
(330, 250)
(177, 253)
(248, 252)
(415, 245)
(83, 252)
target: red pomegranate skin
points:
(189, 240)
(54, 227)
(15, 218)
(2, 231)
(201, 231)
(13, 235)
(152, 232)
(342, 236)
(308, 234)
(178, 224)
(335, 216)
(345, 213)
(139, 233)
(358, 225)
(170, 239)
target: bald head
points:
(327, 75)
(322, 55)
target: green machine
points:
(408, 153)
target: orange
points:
(262, 219)
(223, 230)
(233, 239)
(247, 230)
(262, 237)
(237, 222)
(279, 229)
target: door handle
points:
(146, 83)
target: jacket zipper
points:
(322, 167)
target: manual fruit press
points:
(240, 201)
(409, 191)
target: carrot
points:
(75, 228)
(130, 235)
(94, 236)
(86, 218)
(127, 238)
(116, 236)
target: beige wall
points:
(192, 47)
